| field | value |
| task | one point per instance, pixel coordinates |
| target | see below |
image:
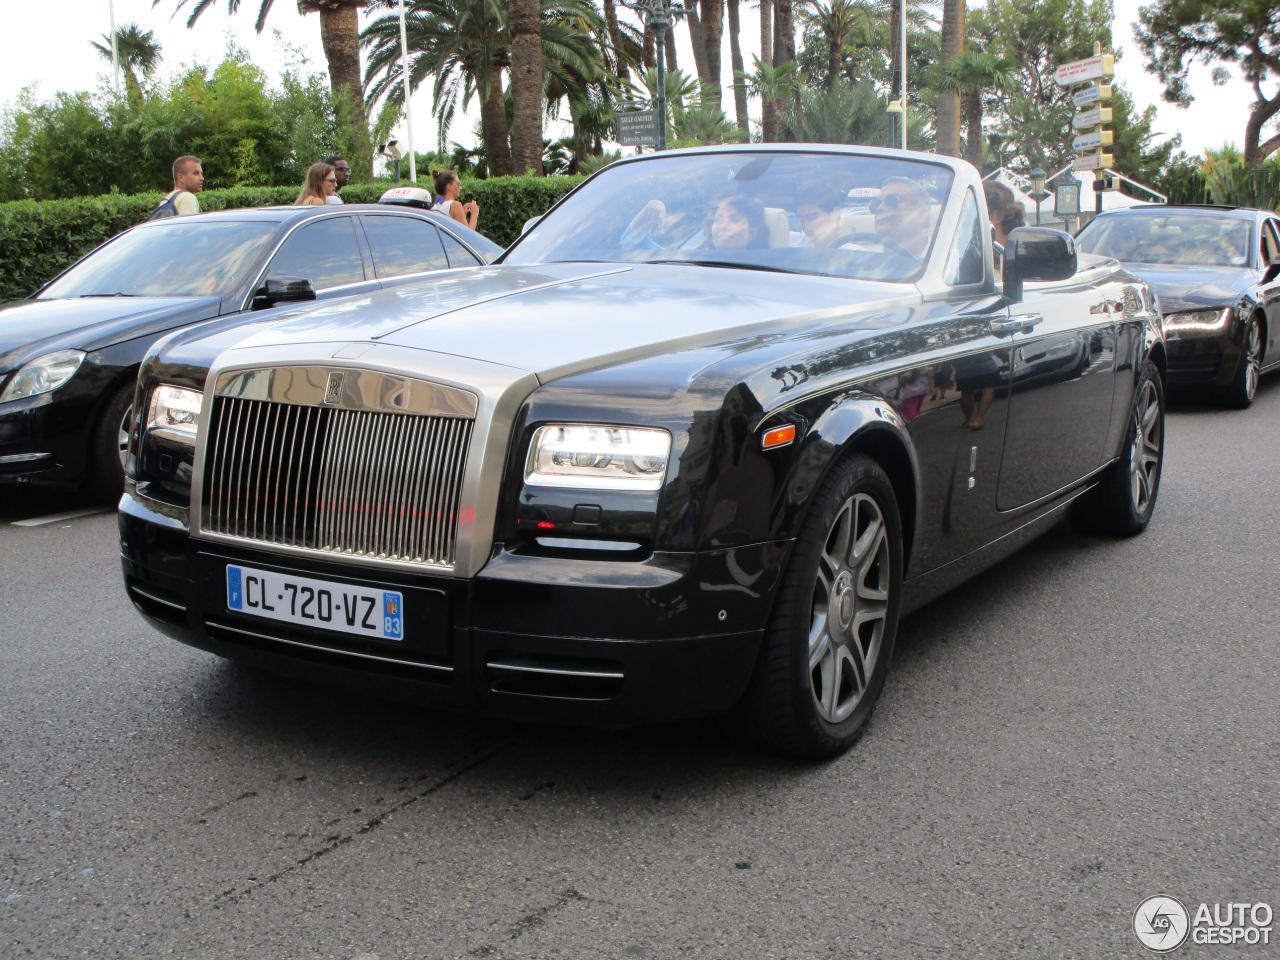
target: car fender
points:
(857, 421)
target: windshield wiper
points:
(117, 294)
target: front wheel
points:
(1244, 387)
(109, 447)
(1122, 504)
(828, 644)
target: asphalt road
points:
(1089, 724)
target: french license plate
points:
(316, 603)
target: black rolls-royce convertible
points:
(681, 451)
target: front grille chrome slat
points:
(356, 483)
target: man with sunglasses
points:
(902, 214)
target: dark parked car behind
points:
(69, 354)
(1217, 273)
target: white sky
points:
(33, 33)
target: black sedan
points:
(1217, 273)
(668, 456)
(69, 355)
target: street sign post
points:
(1090, 97)
(638, 128)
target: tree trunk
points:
(768, 110)
(947, 122)
(526, 86)
(340, 37)
(784, 51)
(735, 62)
(1263, 110)
(697, 41)
(669, 41)
(973, 120)
(493, 127)
(647, 57)
(712, 41)
(615, 37)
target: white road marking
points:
(69, 515)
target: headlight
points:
(43, 374)
(174, 412)
(598, 456)
(1198, 320)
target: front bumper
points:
(531, 636)
(44, 438)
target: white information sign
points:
(1092, 94)
(1093, 140)
(1082, 71)
(1095, 161)
(1091, 118)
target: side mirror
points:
(1036, 253)
(276, 290)
(1272, 272)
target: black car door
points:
(1063, 363)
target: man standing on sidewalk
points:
(188, 180)
(341, 170)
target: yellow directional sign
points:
(1093, 140)
(1082, 71)
(1095, 161)
(1093, 93)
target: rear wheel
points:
(828, 644)
(1122, 504)
(1244, 387)
(109, 446)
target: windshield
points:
(183, 258)
(831, 214)
(1169, 238)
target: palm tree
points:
(948, 104)
(466, 46)
(703, 123)
(972, 75)
(136, 51)
(840, 22)
(526, 86)
(776, 87)
(737, 65)
(340, 37)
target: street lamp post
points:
(408, 100)
(658, 13)
(115, 46)
(1038, 193)
(894, 110)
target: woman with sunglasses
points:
(320, 185)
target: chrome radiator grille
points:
(357, 483)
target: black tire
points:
(1244, 386)
(108, 446)
(828, 644)
(1122, 503)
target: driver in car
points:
(902, 214)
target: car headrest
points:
(775, 218)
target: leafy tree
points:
(854, 113)
(1039, 36)
(340, 37)
(1174, 34)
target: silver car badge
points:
(333, 389)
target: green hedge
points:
(39, 239)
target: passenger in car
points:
(321, 183)
(736, 222)
(820, 219)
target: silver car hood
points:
(560, 318)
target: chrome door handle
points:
(1020, 324)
